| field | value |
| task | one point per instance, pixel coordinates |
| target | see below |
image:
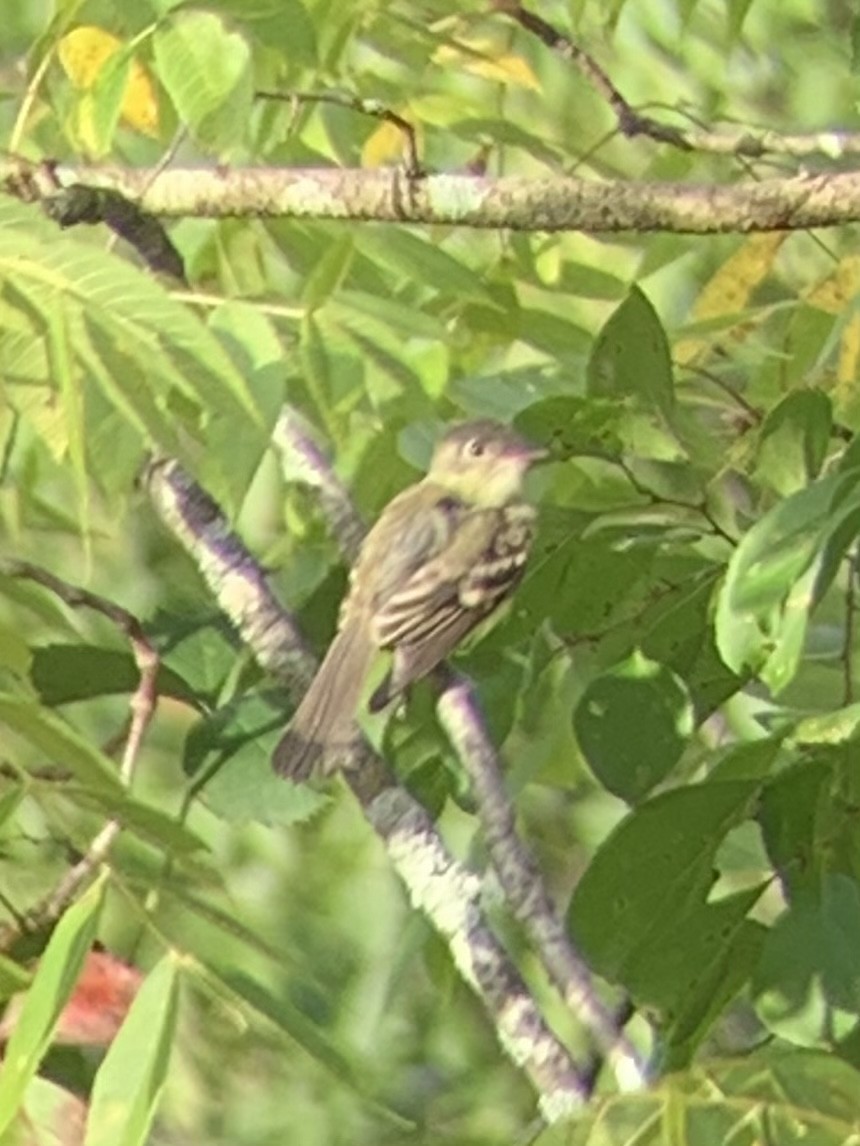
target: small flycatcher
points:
(442, 556)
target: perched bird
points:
(442, 555)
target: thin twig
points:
(744, 142)
(142, 708)
(657, 499)
(371, 107)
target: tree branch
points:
(553, 203)
(745, 142)
(518, 873)
(447, 893)
(523, 883)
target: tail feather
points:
(325, 718)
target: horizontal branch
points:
(552, 203)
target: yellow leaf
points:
(849, 355)
(85, 51)
(477, 57)
(730, 288)
(835, 295)
(835, 292)
(384, 145)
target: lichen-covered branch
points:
(523, 885)
(518, 874)
(447, 893)
(552, 203)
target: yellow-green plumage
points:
(443, 554)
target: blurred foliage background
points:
(681, 655)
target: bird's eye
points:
(475, 448)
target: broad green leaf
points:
(128, 1085)
(776, 572)
(648, 880)
(206, 68)
(329, 273)
(633, 724)
(806, 986)
(278, 22)
(48, 993)
(146, 340)
(630, 361)
(65, 673)
(837, 727)
(808, 819)
(794, 440)
(719, 953)
(574, 425)
(581, 583)
(678, 631)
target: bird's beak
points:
(532, 455)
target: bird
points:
(442, 556)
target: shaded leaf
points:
(632, 724)
(48, 994)
(128, 1084)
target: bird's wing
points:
(440, 603)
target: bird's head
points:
(484, 462)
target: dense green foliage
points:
(674, 690)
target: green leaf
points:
(65, 673)
(574, 425)
(794, 440)
(422, 261)
(158, 364)
(103, 101)
(781, 565)
(631, 361)
(649, 882)
(128, 1085)
(776, 1096)
(580, 583)
(49, 992)
(633, 724)
(206, 69)
(281, 22)
(806, 986)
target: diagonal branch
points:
(447, 893)
(517, 871)
(523, 884)
(744, 142)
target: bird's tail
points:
(325, 720)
